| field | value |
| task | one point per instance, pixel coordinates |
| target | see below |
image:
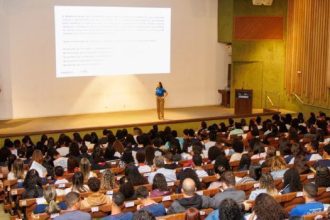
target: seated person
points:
(118, 200)
(159, 186)
(141, 159)
(277, 167)
(156, 209)
(48, 203)
(266, 185)
(190, 198)
(60, 161)
(312, 149)
(238, 148)
(32, 185)
(159, 166)
(228, 209)
(59, 178)
(227, 190)
(197, 160)
(325, 162)
(291, 181)
(311, 205)
(143, 215)
(72, 200)
(95, 198)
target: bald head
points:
(189, 187)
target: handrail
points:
(270, 100)
(303, 103)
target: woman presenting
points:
(161, 93)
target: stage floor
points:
(48, 125)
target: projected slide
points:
(94, 41)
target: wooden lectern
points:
(225, 101)
(243, 102)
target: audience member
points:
(117, 205)
(96, 198)
(156, 209)
(72, 200)
(291, 181)
(169, 174)
(228, 209)
(311, 205)
(159, 186)
(266, 185)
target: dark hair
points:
(238, 145)
(264, 203)
(311, 190)
(140, 156)
(72, 164)
(134, 176)
(192, 214)
(197, 159)
(10, 160)
(59, 171)
(127, 189)
(118, 198)
(228, 178)
(326, 148)
(322, 177)
(292, 179)
(94, 184)
(78, 182)
(32, 184)
(221, 164)
(143, 214)
(230, 210)
(214, 152)
(74, 149)
(150, 155)
(244, 163)
(159, 182)
(142, 192)
(127, 157)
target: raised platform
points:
(50, 125)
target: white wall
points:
(27, 63)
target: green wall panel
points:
(225, 20)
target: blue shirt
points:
(305, 209)
(120, 216)
(214, 215)
(156, 209)
(41, 208)
(74, 216)
(160, 92)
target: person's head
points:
(267, 208)
(134, 176)
(160, 84)
(143, 214)
(197, 159)
(72, 200)
(292, 179)
(221, 164)
(74, 149)
(310, 191)
(159, 182)
(228, 179)
(107, 180)
(32, 178)
(94, 184)
(191, 174)
(78, 182)
(245, 162)
(59, 171)
(127, 189)
(150, 155)
(230, 210)
(50, 197)
(85, 168)
(267, 182)
(322, 177)
(140, 156)
(159, 161)
(277, 163)
(326, 151)
(127, 157)
(214, 152)
(238, 145)
(72, 164)
(118, 199)
(192, 214)
(37, 156)
(18, 168)
(188, 187)
(141, 192)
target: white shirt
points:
(144, 169)
(62, 181)
(11, 175)
(62, 161)
(201, 173)
(42, 171)
(209, 144)
(63, 151)
(169, 174)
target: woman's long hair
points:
(50, 197)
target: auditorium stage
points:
(90, 122)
